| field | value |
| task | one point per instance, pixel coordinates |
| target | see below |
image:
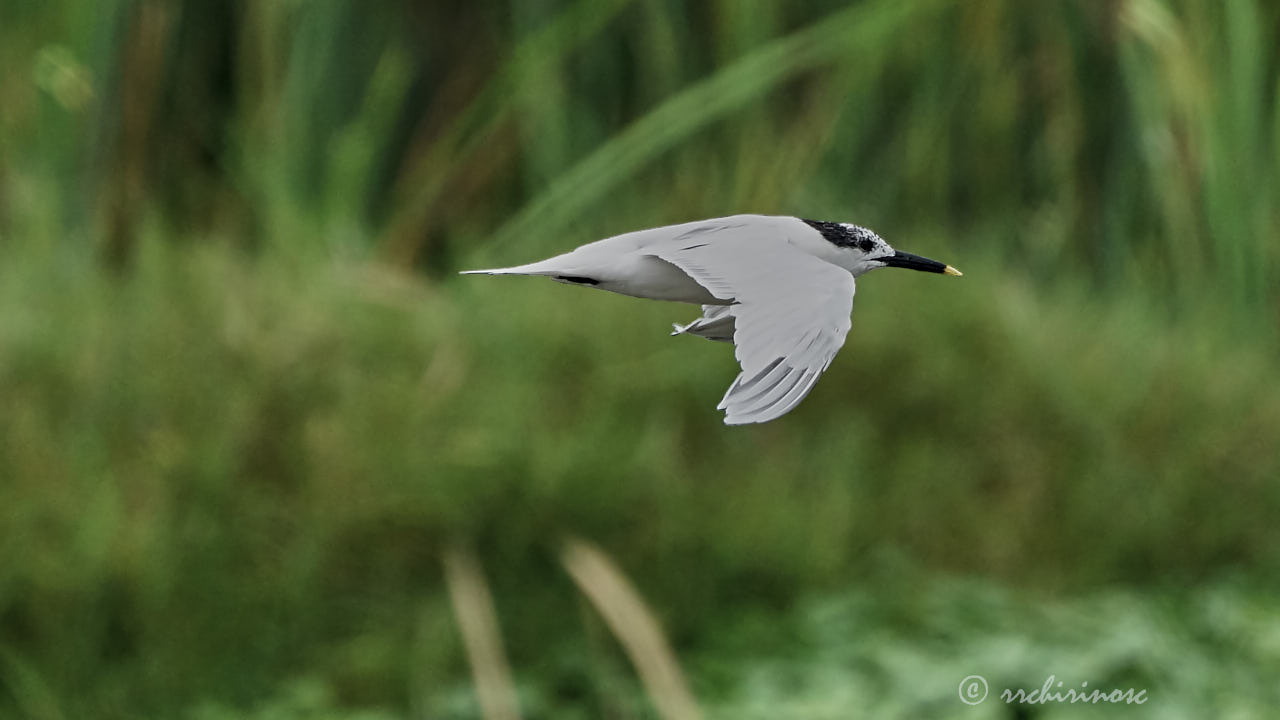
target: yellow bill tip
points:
(952, 271)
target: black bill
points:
(915, 262)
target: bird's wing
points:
(790, 309)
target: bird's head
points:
(862, 251)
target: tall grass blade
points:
(424, 182)
(635, 627)
(478, 623)
(867, 27)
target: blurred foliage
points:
(247, 402)
(1195, 657)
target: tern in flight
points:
(779, 288)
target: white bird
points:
(779, 288)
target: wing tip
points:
(770, 404)
(750, 417)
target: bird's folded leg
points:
(716, 324)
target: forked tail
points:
(544, 267)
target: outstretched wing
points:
(790, 310)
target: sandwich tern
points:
(779, 288)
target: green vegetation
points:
(247, 406)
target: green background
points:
(246, 403)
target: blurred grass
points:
(247, 404)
